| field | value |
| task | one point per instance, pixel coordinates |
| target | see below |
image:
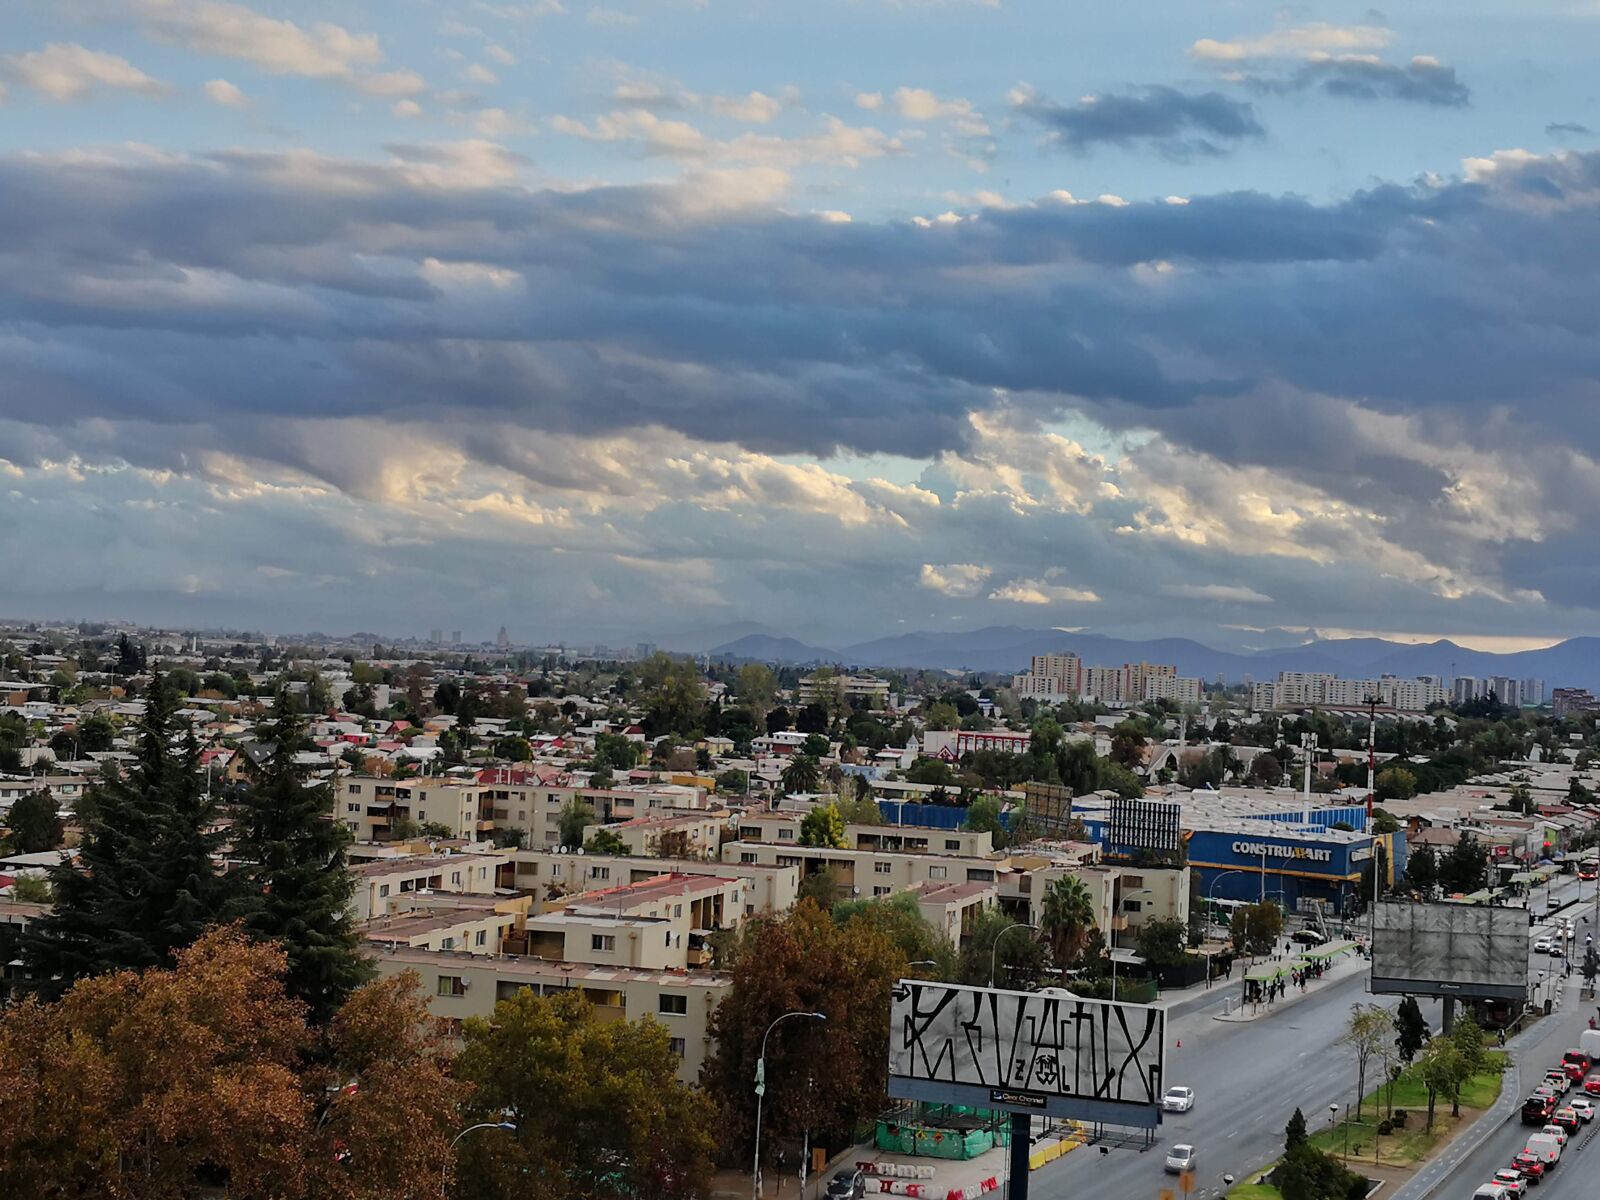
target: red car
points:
(1592, 1085)
(1530, 1166)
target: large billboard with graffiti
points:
(1049, 1053)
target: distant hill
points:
(1007, 648)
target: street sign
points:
(1144, 825)
(1027, 1052)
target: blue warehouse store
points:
(1247, 849)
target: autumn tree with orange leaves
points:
(143, 1086)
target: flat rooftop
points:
(521, 968)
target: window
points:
(673, 1005)
(786, 835)
(747, 856)
(980, 875)
(935, 872)
(677, 910)
(678, 1046)
(882, 868)
(383, 890)
(455, 878)
(355, 808)
(881, 891)
(599, 872)
(1133, 881)
(448, 943)
(1133, 906)
(483, 937)
(952, 843)
(522, 816)
(452, 985)
(355, 789)
(602, 941)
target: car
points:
(846, 1185)
(1558, 1080)
(1491, 1191)
(1558, 1132)
(1180, 1158)
(1530, 1166)
(1536, 1109)
(1308, 937)
(1543, 946)
(1592, 1085)
(1567, 1119)
(1512, 1180)
(1557, 950)
(1178, 1099)
(1584, 1107)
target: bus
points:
(1589, 868)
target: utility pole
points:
(1372, 791)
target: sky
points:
(846, 318)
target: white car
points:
(1513, 1182)
(1543, 946)
(1180, 1158)
(1178, 1099)
(1584, 1107)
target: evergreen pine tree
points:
(144, 885)
(297, 890)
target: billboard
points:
(1144, 825)
(1049, 806)
(1450, 950)
(1049, 1053)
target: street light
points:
(761, 1090)
(994, 946)
(444, 1171)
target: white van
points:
(1547, 1149)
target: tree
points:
(942, 716)
(1395, 783)
(900, 917)
(859, 808)
(576, 815)
(1257, 927)
(1384, 821)
(1440, 1068)
(823, 888)
(1294, 1133)
(296, 889)
(95, 735)
(35, 823)
(816, 745)
(32, 889)
(598, 1106)
(1266, 771)
(604, 841)
(1422, 869)
(673, 694)
(1066, 917)
(983, 816)
(517, 749)
(1411, 1031)
(757, 688)
(801, 775)
(803, 962)
(1367, 1032)
(823, 826)
(1163, 941)
(1465, 867)
(145, 884)
(137, 1086)
(1467, 1036)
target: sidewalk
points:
(1238, 1010)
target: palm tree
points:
(1067, 917)
(801, 775)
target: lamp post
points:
(995, 946)
(761, 1090)
(444, 1171)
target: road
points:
(1250, 1077)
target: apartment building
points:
(389, 885)
(1124, 898)
(678, 834)
(658, 923)
(868, 688)
(767, 890)
(476, 924)
(870, 873)
(783, 828)
(1572, 700)
(1184, 689)
(460, 985)
(1050, 677)
(954, 908)
(1307, 689)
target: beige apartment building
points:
(475, 924)
(768, 890)
(392, 885)
(658, 924)
(871, 873)
(783, 829)
(460, 985)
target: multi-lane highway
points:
(1250, 1077)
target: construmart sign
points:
(1275, 850)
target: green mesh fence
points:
(951, 1131)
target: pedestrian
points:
(1502, 1036)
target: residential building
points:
(868, 688)
(1572, 700)
(768, 890)
(387, 886)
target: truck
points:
(1546, 1148)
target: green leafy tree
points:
(517, 749)
(733, 782)
(1066, 918)
(983, 816)
(95, 735)
(757, 688)
(856, 805)
(598, 1107)
(1163, 941)
(901, 919)
(1411, 1030)
(297, 890)
(35, 822)
(942, 716)
(32, 889)
(576, 815)
(823, 826)
(604, 841)
(673, 694)
(1367, 1031)
(823, 888)
(1294, 1133)
(1257, 927)
(1422, 869)
(1467, 1036)
(801, 775)
(145, 884)
(1465, 868)
(1396, 783)
(1443, 1073)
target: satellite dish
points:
(580, 849)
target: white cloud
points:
(496, 123)
(663, 92)
(919, 104)
(406, 109)
(954, 579)
(385, 84)
(1226, 593)
(1041, 591)
(220, 91)
(871, 101)
(1315, 40)
(610, 18)
(478, 73)
(500, 55)
(838, 143)
(67, 71)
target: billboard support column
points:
(1447, 1022)
(1021, 1149)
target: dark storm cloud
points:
(1421, 81)
(1176, 122)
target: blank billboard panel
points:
(1451, 950)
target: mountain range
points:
(1007, 648)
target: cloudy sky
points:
(848, 317)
